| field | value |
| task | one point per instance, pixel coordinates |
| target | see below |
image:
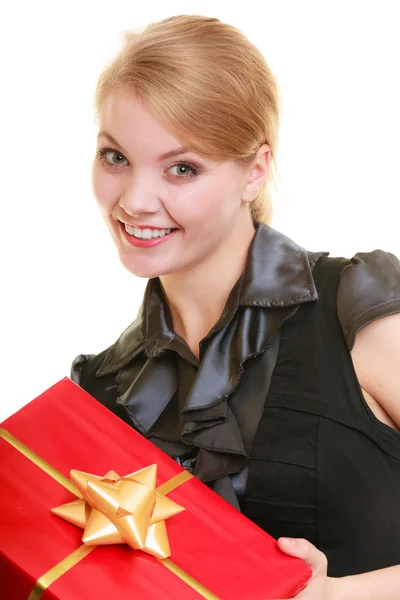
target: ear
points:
(257, 173)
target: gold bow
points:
(118, 510)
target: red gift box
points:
(216, 552)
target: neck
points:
(197, 296)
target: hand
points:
(320, 586)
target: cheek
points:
(198, 205)
(103, 188)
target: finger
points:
(306, 551)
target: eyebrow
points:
(170, 154)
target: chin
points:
(145, 271)
(142, 272)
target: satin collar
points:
(276, 280)
(278, 273)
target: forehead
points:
(126, 116)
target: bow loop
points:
(118, 510)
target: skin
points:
(199, 265)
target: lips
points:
(146, 237)
(146, 233)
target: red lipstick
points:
(142, 243)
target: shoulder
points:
(87, 369)
(369, 288)
(85, 366)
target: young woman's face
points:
(165, 213)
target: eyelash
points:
(102, 153)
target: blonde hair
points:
(207, 84)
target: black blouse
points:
(205, 413)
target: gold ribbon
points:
(132, 498)
(62, 567)
(118, 510)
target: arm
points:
(376, 358)
(376, 585)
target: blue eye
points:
(104, 152)
(193, 171)
(115, 158)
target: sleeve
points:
(103, 388)
(78, 366)
(369, 288)
(84, 372)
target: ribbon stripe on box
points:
(114, 510)
(212, 542)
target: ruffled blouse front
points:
(205, 412)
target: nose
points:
(140, 196)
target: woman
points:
(266, 370)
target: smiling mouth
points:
(146, 233)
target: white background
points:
(63, 291)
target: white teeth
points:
(147, 233)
